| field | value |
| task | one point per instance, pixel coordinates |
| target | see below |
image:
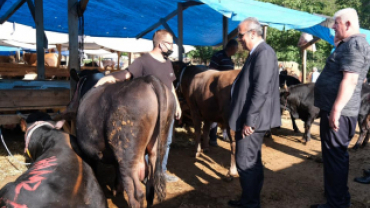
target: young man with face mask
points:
(155, 63)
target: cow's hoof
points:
(197, 154)
(228, 179)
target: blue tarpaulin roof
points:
(202, 24)
(8, 51)
(7, 48)
(117, 18)
(276, 16)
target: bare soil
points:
(293, 171)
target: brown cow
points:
(51, 59)
(207, 92)
(7, 59)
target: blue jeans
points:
(169, 141)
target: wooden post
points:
(265, 32)
(119, 55)
(225, 29)
(304, 66)
(99, 61)
(59, 48)
(73, 40)
(180, 30)
(39, 20)
(18, 56)
(129, 58)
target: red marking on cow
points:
(15, 205)
(35, 179)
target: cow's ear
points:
(23, 125)
(60, 124)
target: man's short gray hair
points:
(348, 15)
(314, 69)
(253, 24)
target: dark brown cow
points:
(118, 123)
(207, 92)
(7, 59)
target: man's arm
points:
(345, 92)
(178, 108)
(114, 77)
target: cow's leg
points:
(197, 128)
(152, 155)
(359, 141)
(307, 128)
(232, 171)
(205, 141)
(117, 186)
(130, 190)
(296, 129)
(364, 143)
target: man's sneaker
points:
(170, 178)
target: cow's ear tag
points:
(23, 125)
(59, 124)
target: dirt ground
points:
(293, 171)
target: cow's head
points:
(289, 103)
(27, 121)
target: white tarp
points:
(13, 34)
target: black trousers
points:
(335, 156)
(213, 133)
(250, 168)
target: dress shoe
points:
(235, 203)
(366, 172)
(364, 180)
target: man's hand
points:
(178, 113)
(247, 131)
(107, 79)
(334, 119)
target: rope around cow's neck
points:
(30, 130)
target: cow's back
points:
(208, 92)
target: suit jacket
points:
(255, 99)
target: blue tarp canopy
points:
(117, 18)
(8, 51)
(276, 16)
(202, 24)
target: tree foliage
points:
(285, 42)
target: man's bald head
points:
(160, 36)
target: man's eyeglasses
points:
(240, 35)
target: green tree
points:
(204, 53)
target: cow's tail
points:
(159, 177)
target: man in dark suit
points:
(254, 109)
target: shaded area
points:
(292, 176)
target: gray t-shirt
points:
(351, 55)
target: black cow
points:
(299, 101)
(286, 80)
(119, 123)
(364, 117)
(58, 177)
